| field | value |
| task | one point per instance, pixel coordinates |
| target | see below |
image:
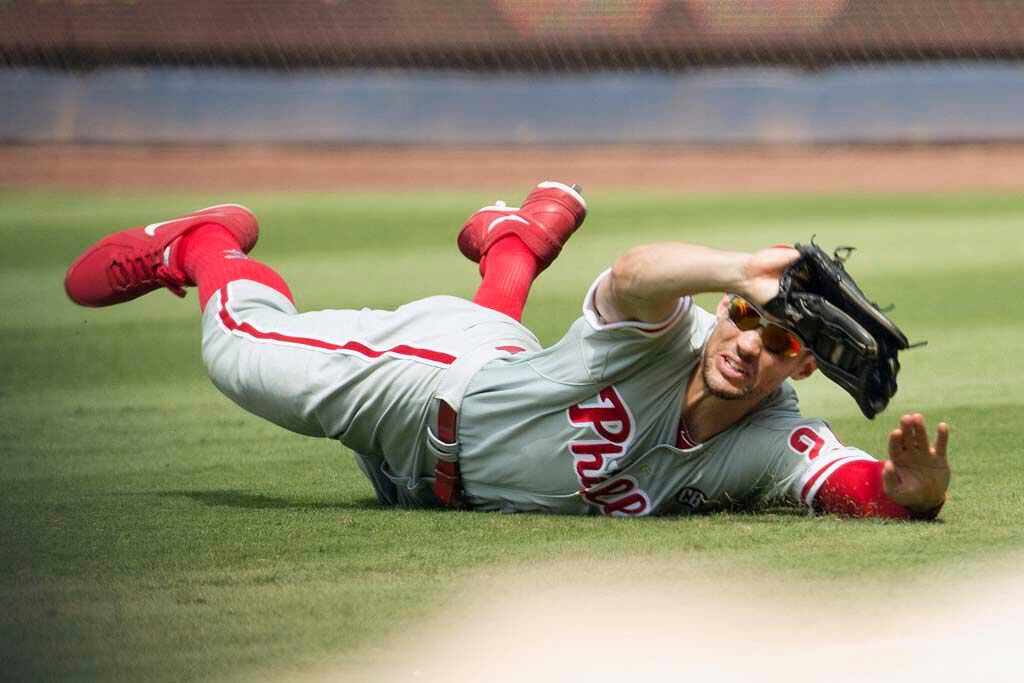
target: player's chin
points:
(728, 392)
(725, 388)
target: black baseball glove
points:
(855, 344)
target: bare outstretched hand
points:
(917, 474)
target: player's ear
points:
(723, 306)
(806, 367)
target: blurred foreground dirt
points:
(659, 623)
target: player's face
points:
(736, 365)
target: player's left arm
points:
(647, 281)
(910, 485)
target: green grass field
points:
(154, 531)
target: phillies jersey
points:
(591, 425)
(587, 426)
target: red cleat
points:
(127, 264)
(547, 218)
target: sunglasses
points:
(776, 339)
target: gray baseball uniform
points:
(587, 426)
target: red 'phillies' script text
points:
(596, 457)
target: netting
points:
(503, 35)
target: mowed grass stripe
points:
(154, 531)
(335, 223)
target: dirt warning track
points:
(782, 169)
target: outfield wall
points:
(908, 104)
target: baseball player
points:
(648, 404)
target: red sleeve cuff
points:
(856, 490)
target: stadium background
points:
(476, 74)
(877, 120)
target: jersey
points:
(587, 426)
(591, 424)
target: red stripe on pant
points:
(448, 479)
(245, 328)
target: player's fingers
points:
(942, 440)
(896, 444)
(921, 429)
(907, 430)
(921, 441)
(916, 429)
(920, 432)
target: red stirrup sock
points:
(211, 257)
(511, 269)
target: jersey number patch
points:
(806, 441)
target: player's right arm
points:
(843, 480)
(912, 483)
(648, 281)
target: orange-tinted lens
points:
(743, 314)
(779, 340)
(776, 339)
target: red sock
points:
(211, 257)
(511, 269)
